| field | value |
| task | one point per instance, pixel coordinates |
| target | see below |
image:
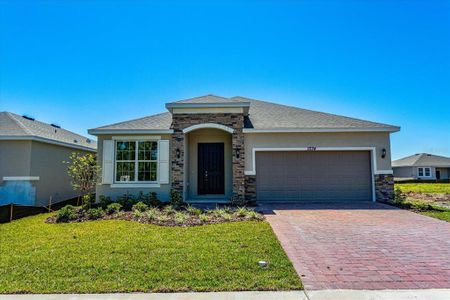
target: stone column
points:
(177, 160)
(384, 187)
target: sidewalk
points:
(430, 294)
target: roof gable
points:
(262, 116)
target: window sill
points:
(135, 185)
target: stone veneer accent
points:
(384, 187)
(250, 188)
(232, 120)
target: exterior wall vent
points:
(28, 117)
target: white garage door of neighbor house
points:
(313, 176)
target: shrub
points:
(180, 217)
(253, 215)
(127, 201)
(169, 210)
(241, 212)
(104, 201)
(193, 210)
(137, 214)
(153, 199)
(87, 201)
(113, 208)
(95, 213)
(204, 218)
(66, 214)
(163, 218)
(140, 206)
(176, 200)
(152, 214)
(399, 197)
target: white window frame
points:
(424, 172)
(136, 161)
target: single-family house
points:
(422, 166)
(32, 155)
(212, 148)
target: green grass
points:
(125, 256)
(441, 215)
(430, 188)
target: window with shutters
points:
(136, 161)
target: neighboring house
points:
(32, 156)
(211, 148)
(422, 166)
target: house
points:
(211, 148)
(32, 156)
(422, 166)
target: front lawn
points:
(441, 215)
(431, 188)
(125, 256)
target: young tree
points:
(83, 170)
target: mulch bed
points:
(191, 220)
(437, 199)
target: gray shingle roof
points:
(422, 160)
(13, 126)
(262, 116)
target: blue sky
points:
(84, 64)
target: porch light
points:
(178, 153)
(238, 153)
(383, 153)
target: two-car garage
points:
(313, 176)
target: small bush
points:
(176, 200)
(137, 214)
(127, 201)
(153, 199)
(95, 213)
(163, 218)
(169, 210)
(253, 215)
(193, 210)
(204, 218)
(87, 201)
(140, 206)
(399, 197)
(241, 212)
(104, 201)
(152, 214)
(66, 214)
(113, 208)
(180, 217)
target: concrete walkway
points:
(432, 294)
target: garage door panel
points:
(302, 176)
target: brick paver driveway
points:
(368, 246)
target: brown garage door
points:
(313, 176)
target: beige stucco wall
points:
(15, 158)
(208, 136)
(47, 162)
(114, 192)
(379, 140)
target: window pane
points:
(427, 171)
(148, 151)
(147, 171)
(125, 171)
(125, 150)
(420, 172)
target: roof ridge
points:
(315, 111)
(21, 125)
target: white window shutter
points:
(163, 146)
(108, 160)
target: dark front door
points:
(211, 168)
(438, 174)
